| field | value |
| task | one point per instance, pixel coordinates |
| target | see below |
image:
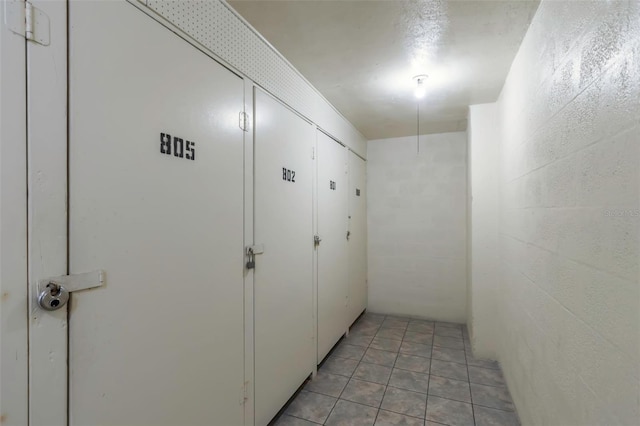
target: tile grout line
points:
(388, 381)
(491, 386)
(296, 417)
(338, 398)
(428, 380)
(466, 366)
(332, 408)
(352, 373)
(394, 387)
(494, 408)
(387, 385)
(393, 367)
(473, 411)
(426, 404)
(409, 390)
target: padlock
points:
(53, 297)
(251, 262)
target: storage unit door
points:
(284, 350)
(332, 252)
(357, 236)
(156, 200)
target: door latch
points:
(251, 255)
(251, 258)
(53, 293)
(316, 240)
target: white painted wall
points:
(569, 293)
(483, 232)
(417, 226)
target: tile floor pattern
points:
(401, 371)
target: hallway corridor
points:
(401, 371)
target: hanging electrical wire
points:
(418, 129)
(420, 91)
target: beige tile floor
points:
(402, 371)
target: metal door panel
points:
(284, 351)
(162, 342)
(358, 236)
(332, 252)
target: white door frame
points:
(249, 384)
(13, 227)
(325, 292)
(355, 309)
(47, 215)
(278, 115)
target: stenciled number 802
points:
(288, 175)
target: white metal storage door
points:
(332, 252)
(357, 236)
(162, 342)
(284, 351)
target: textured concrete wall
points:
(484, 156)
(570, 113)
(417, 226)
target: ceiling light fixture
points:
(421, 88)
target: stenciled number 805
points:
(178, 146)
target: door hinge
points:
(23, 18)
(313, 152)
(243, 121)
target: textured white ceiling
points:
(362, 55)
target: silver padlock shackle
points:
(53, 297)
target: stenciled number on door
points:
(288, 175)
(177, 146)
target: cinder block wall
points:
(417, 226)
(570, 156)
